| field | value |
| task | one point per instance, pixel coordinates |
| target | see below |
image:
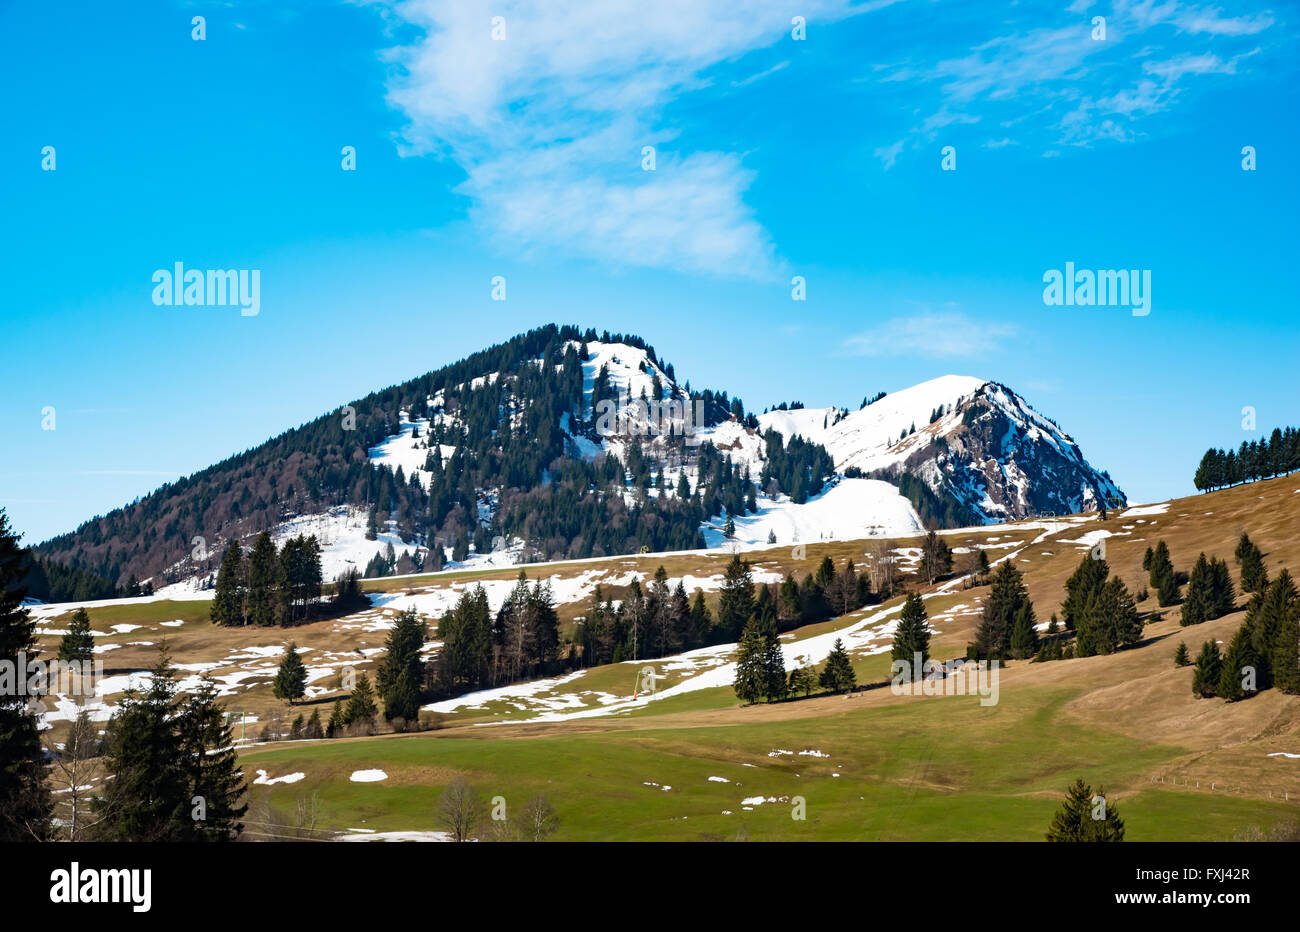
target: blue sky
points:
(522, 157)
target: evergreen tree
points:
(1024, 632)
(736, 599)
(399, 675)
(1240, 675)
(1081, 588)
(228, 600)
(25, 804)
(291, 679)
(361, 708)
(1284, 608)
(701, 619)
(78, 645)
(466, 635)
(263, 581)
(313, 728)
(1210, 593)
(1084, 817)
(751, 675)
(1007, 597)
(1162, 578)
(1180, 655)
(1254, 574)
(802, 680)
(1110, 620)
(337, 720)
(207, 758)
(145, 796)
(774, 681)
(838, 675)
(1209, 667)
(912, 636)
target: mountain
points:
(565, 443)
(980, 451)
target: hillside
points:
(689, 762)
(562, 443)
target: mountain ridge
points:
(505, 450)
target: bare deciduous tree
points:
(539, 818)
(460, 809)
(73, 774)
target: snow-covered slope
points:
(847, 510)
(974, 443)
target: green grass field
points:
(923, 769)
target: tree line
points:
(1275, 455)
(268, 586)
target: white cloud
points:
(1082, 90)
(889, 154)
(549, 124)
(939, 335)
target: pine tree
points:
(336, 722)
(1110, 621)
(1006, 598)
(1180, 655)
(291, 679)
(1163, 578)
(361, 708)
(144, 794)
(802, 680)
(207, 757)
(912, 636)
(838, 675)
(24, 798)
(1210, 593)
(1254, 574)
(228, 600)
(399, 675)
(1081, 588)
(1284, 607)
(1209, 667)
(735, 599)
(78, 645)
(701, 619)
(1024, 633)
(1240, 675)
(313, 728)
(751, 676)
(1069, 821)
(1084, 817)
(264, 581)
(774, 682)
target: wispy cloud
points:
(940, 335)
(1076, 89)
(549, 123)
